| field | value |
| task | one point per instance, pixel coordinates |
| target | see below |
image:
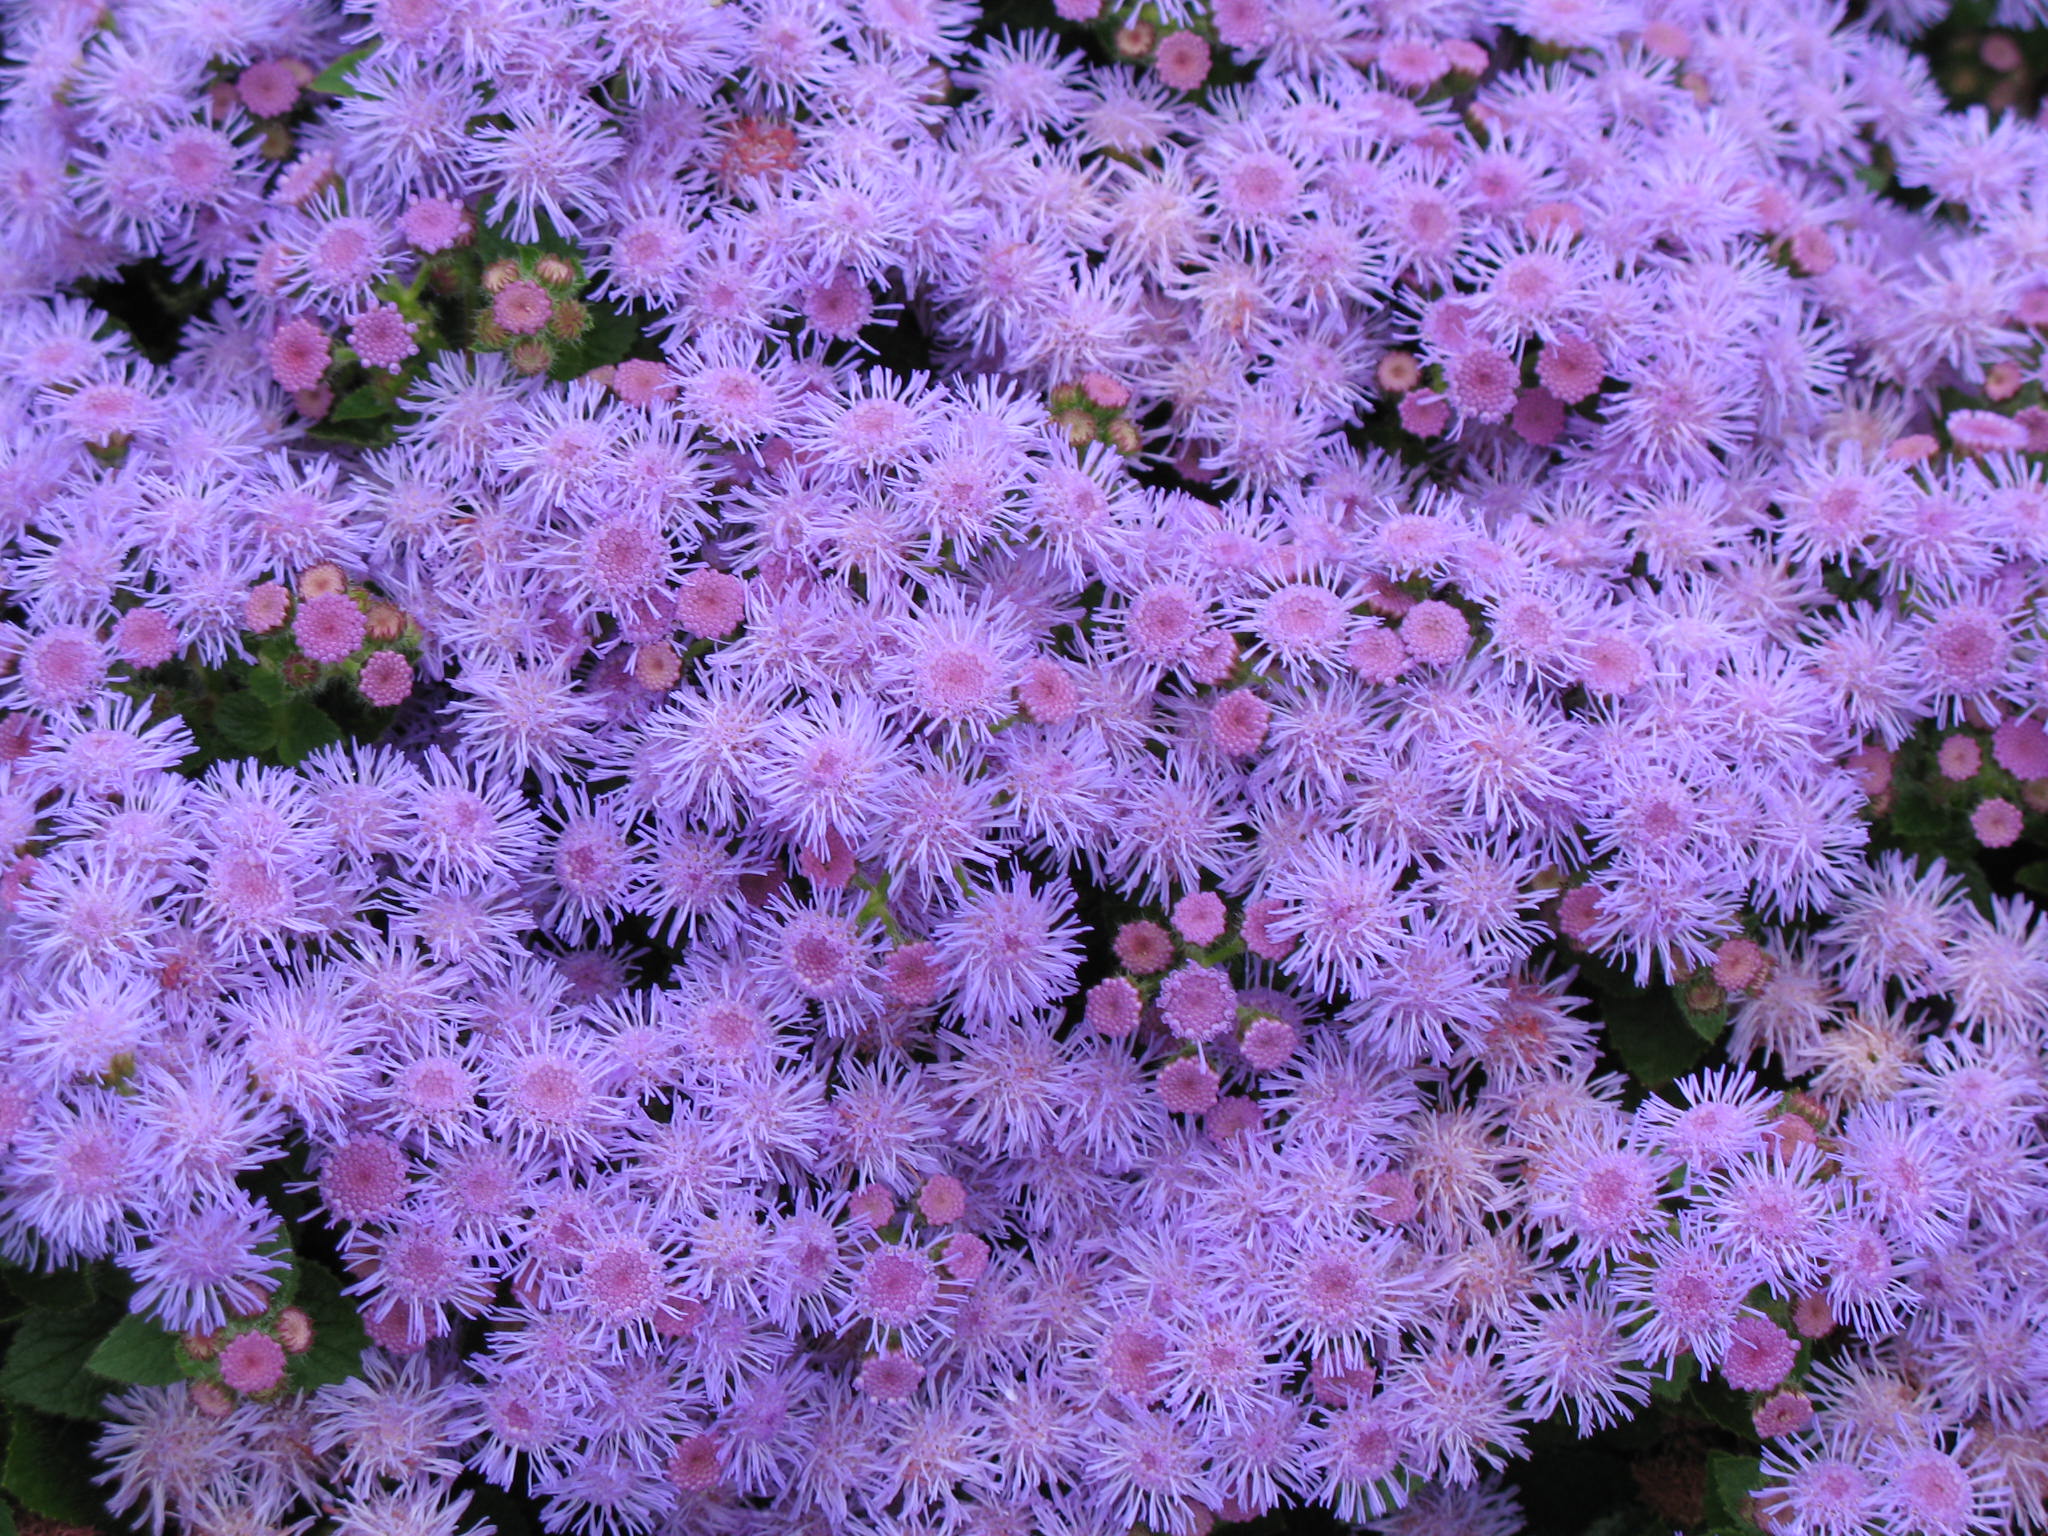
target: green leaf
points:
(1708, 1026)
(360, 405)
(1915, 815)
(374, 433)
(303, 727)
(2033, 877)
(45, 1366)
(267, 684)
(338, 1337)
(1730, 1482)
(246, 723)
(491, 244)
(605, 340)
(138, 1353)
(6, 1519)
(1718, 1403)
(494, 244)
(63, 1290)
(334, 79)
(1651, 1037)
(49, 1470)
(1707, 1023)
(1670, 1389)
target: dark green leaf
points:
(246, 723)
(303, 727)
(1730, 1482)
(1671, 1388)
(1718, 1403)
(1707, 1023)
(275, 1183)
(373, 433)
(494, 244)
(288, 1282)
(49, 1470)
(62, 1290)
(608, 338)
(1708, 1026)
(491, 244)
(138, 1353)
(2033, 877)
(1914, 815)
(1651, 1037)
(360, 405)
(338, 1337)
(268, 684)
(334, 79)
(6, 1519)
(45, 1366)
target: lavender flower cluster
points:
(987, 944)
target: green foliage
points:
(1649, 1033)
(1722, 1406)
(77, 1342)
(49, 1469)
(303, 727)
(1924, 813)
(338, 1337)
(283, 732)
(277, 706)
(45, 1368)
(1730, 1481)
(360, 405)
(246, 724)
(62, 1290)
(608, 339)
(336, 79)
(138, 1353)
(1669, 1389)
(361, 432)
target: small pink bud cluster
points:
(1093, 410)
(336, 623)
(247, 1357)
(533, 309)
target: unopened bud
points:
(532, 356)
(384, 622)
(873, 1204)
(656, 667)
(265, 607)
(570, 319)
(1399, 372)
(294, 1331)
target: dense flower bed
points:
(786, 767)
